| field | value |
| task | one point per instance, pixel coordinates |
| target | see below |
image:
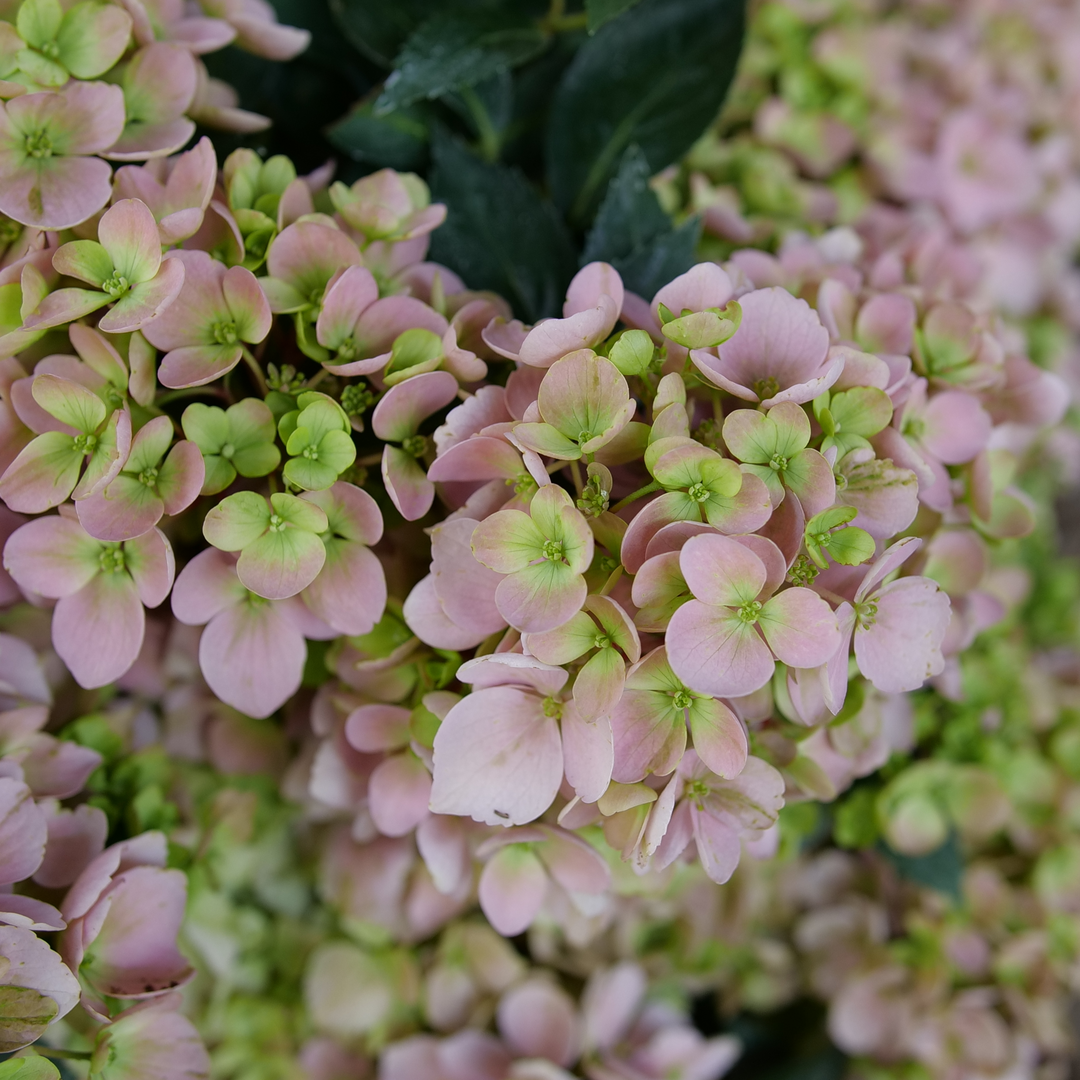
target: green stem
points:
(489, 137)
(316, 379)
(575, 472)
(256, 371)
(648, 489)
(65, 1055)
(612, 581)
(189, 392)
(371, 459)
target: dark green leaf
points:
(941, 869)
(499, 234)
(633, 233)
(649, 268)
(656, 77)
(630, 216)
(452, 51)
(378, 28)
(397, 141)
(603, 11)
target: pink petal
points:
(400, 413)
(721, 571)
(128, 232)
(345, 301)
(956, 427)
(538, 1020)
(372, 729)
(719, 737)
(134, 953)
(587, 752)
(901, 648)
(206, 586)
(406, 483)
(512, 669)
(350, 592)
(76, 837)
(124, 510)
(146, 302)
(151, 563)
(780, 337)
(398, 794)
(52, 556)
(703, 286)
(800, 627)
(505, 338)
(714, 652)
(33, 965)
(551, 340)
(23, 832)
(512, 889)
(498, 758)
(425, 617)
(589, 284)
(540, 597)
(98, 630)
(465, 587)
(252, 657)
(717, 845)
(56, 768)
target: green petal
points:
(337, 450)
(150, 445)
(299, 513)
(722, 477)
(237, 521)
(86, 260)
(250, 423)
(281, 563)
(309, 475)
(93, 37)
(219, 474)
(42, 70)
(208, 427)
(547, 440)
(70, 402)
(863, 410)
(38, 21)
(851, 546)
(257, 460)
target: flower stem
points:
(316, 379)
(485, 129)
(575, 472)
(189, 392)
(648, 489)
(66, 1055)
(612, 581)
(256, 371)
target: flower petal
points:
(98, 631)
(252, 657)
(498, 758)
(715, 652)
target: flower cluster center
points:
(116, 285)
(225, 332)
(38, 145)
(698, 492)
(750, 612)
(277, 523)
(553, 550)
(112, 560)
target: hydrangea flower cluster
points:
(359, 605)
(667, 548)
